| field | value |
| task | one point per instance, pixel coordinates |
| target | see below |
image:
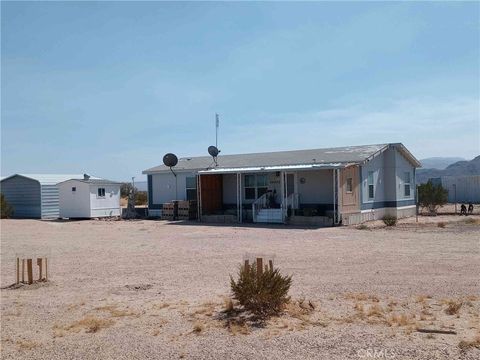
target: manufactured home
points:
(89, 198)
(329, 186)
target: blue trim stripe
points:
(387, 204)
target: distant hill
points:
(439, 163)
(458, 168)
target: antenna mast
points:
(217, 124)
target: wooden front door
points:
(211, 193)
(350, 189)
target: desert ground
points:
(157, 290)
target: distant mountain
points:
(463, 167)
(439, 163)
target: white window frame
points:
(99, 196)
(407, 183)
(348, 182)
(190, 188)
(255, 185)
(371, 175)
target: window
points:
(262, 184)
(349, 185)
(406, 186)
(74, 188)
(101, 192)
(371, 185)
(255, 186)
(191, 187)
(250, 187)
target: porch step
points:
(269, 216)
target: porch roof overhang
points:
(253, 169)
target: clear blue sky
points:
(109, 87)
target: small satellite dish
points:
(170, 160)
(213, 151)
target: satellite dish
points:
(170, 160)
(213, 151)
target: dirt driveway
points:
(150, 289)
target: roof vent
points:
(86, 177)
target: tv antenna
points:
(171, 160)
(217, 124)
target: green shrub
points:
(390, 220)
(264, 294)
(141, 198)
(432, 197)
(6, 209)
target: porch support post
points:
(240, 193)
(200, 197)
(238, 199)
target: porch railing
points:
(257, 205)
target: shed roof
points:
(48, 179)
(96, 181)
(340, 156)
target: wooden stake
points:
(29, 271)
(259, 266)
(46, 269)
(246, 264)
(270, 262)
(39, 263)
(23, 270)
(18, 270)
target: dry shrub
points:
(375, 310)
(238, 326)
(362, 297)
(362, 227)
(453, 307)
(390, 220)
(114, 311)
(90, 324)
(467, 344)
(441, 224)
(263, 294)
(198, 327)
(400, 320)
(229, 305)
(472, 221)
(160, 306)
(27, 344)
(299, 309)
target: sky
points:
(108, 88)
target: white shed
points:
(89, 198)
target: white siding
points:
(318, 187)
(105, 206)
(163, 187)
(376, 165)
(74, 204)
(402, 165)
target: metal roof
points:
(49, 179)
(96, 181)
(340, 155)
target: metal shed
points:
(34, 195)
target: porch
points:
(303, 196)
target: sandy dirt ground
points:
(157, 290)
